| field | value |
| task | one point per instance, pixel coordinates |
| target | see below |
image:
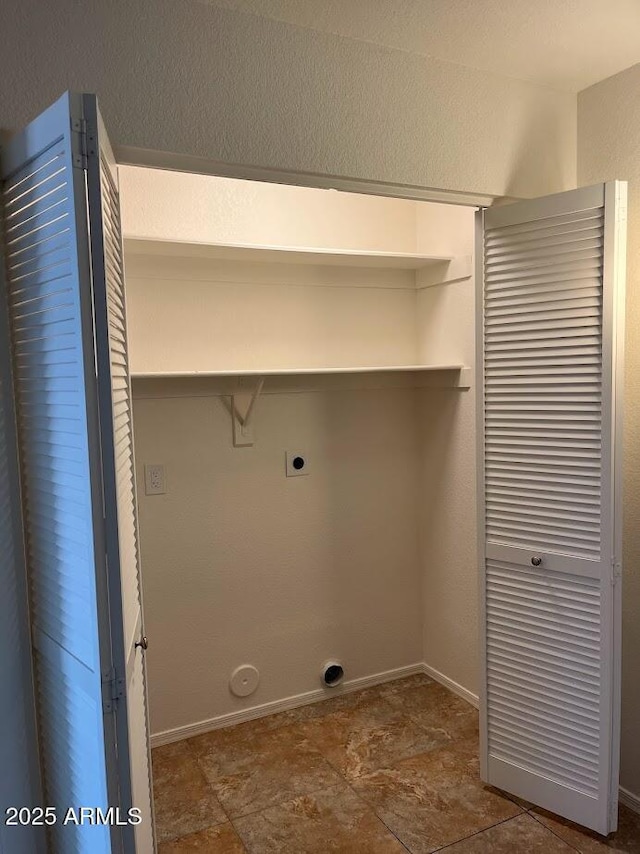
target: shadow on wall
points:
(534, 139)
(372, 510)
(448, 543)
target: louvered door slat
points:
(551, 237)
(579, 270)
(549, 528)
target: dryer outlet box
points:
(297, 464)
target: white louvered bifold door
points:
(550, 363)
(118, 471)
(55, 282)
(49, 297)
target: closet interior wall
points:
(370, 559)
(446, 324)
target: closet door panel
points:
(549, 488)
(49, 303)
(121, 522)
(66, 307)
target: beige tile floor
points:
(389, 769)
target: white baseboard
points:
(629, 799)
(454, 687)
(178, 733)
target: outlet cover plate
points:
(297, 463)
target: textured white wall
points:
(282, 573)
(391, 497)
(225, 321)
(242, 564)
(608, 148)
(446, 328)
(205, 314)
(444, 229)
(179, 206)
(184, 77)
(448, 534)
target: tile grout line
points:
(479, 832)
(315, 792)
(237, 833)
(361, 797)
(206, 779)
(226, 819)
(557, 835)
(343, 779)
(281, 803)
(272, 806)
(171, 839)
(374, 811)
(370, 806)
(414, 719)
(316, 750)
(232, 819)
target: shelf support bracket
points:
(465, 378)
(244, 402)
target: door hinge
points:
(112, 690)
(616, 570)
(80, 148)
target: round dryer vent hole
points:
(332, 674)
(244, 680)
(297, 463)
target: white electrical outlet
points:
(297, 464)
(154, 480)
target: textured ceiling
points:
(565, 44)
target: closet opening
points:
(298, 367)
(301, 365)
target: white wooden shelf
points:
(243, 395)
(449, 376)
(285, 254)
(293, 372)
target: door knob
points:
(535, 560)
(143, 643)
